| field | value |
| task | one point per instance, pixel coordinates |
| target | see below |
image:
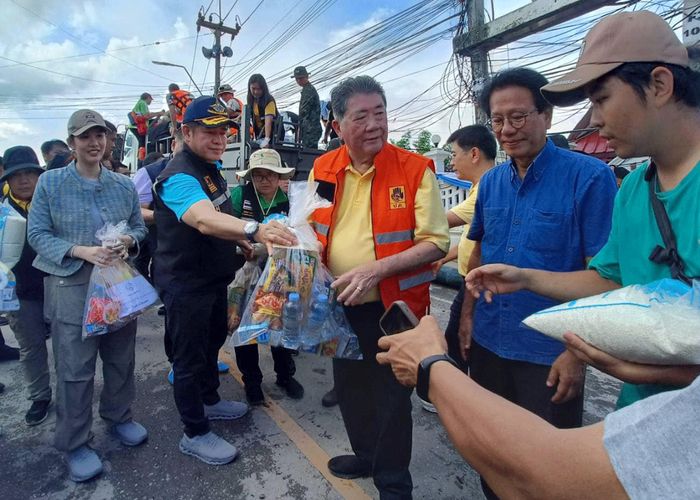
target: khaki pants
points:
(75, 362)
(30, 331)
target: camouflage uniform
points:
(310, 117)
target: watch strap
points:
(423, 379)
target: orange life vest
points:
(180, 99)
(396, 180)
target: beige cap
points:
(266, 159)
(85, 119)
(626, 37)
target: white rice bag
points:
(658, 323)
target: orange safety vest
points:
(396, 180)
(180, 99)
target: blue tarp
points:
(451, 178)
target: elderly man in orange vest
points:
(384, 228)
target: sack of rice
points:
(658, 323)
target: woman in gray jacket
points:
(70, 204)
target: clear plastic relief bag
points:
(298, 272)
(117, 293)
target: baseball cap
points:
(621, 38)
(225, 88)
(208, 112)
(266, 159)
(300, 71)
(19, 158)
(83, 120)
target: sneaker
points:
(349, 467)
(209, 448)
(254, 395)
(130, 433)
(8, 353)
(427, 406)
(171, 377)
(293, 388)
(223, 367)
(37, 412)
(225, 410)
(330, 398)
(83, 464)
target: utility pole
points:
(691, 31)
(536, 16)
(217, 51)
(479, 57)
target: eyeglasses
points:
(516, 120)
(264, 177)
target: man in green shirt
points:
(139, 118)
(644, 108)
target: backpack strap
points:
(668, 255)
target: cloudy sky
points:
(57, 57)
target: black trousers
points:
(197, 326)
(524, 384)
(376, 409)
(248, 363)
(452, 330)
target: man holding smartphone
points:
(384, 228)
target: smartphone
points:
(398, 318)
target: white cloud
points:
(12, 130)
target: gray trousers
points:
(30, 331)
(75, 362)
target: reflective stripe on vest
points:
(394, 237)
(221, 199)
(322, 228)
(415, 280)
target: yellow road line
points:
(305, 443)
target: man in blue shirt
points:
(546, 208)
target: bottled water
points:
(291, 319)
(318, 314)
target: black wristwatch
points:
(250, 230)
(423, 382)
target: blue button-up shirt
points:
(554, 218)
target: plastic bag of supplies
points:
(292, 304)
(239, 290)
(657, 323)
(117, 293)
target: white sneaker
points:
(209, 448)
(427, 406)
(225, 410)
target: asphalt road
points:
(284, 445)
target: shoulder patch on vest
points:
(397, 197)
(210, 184)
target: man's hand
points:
(406, 350)
(436, 266)
(357, 282)
(465, 336)
(275, 233)
(493, 279)
(246, 249)
(567, 374)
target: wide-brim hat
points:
(208, 112)
(626, 37)
(20, 158)
(266, 159)
(225, 88)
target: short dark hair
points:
(111, 129)
(52, 143)
(146, 95)
(342, 92)
(686, 82)
(475, 136)
(516, 77)
(173, 86)
(560, 141)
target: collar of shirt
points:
(196, 158)
(538, 165)
(24, 205)
(350, 168)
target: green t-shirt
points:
(237, 200)
(140, 108)
(634, 234)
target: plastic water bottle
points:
(291, 320)
(318, 314)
